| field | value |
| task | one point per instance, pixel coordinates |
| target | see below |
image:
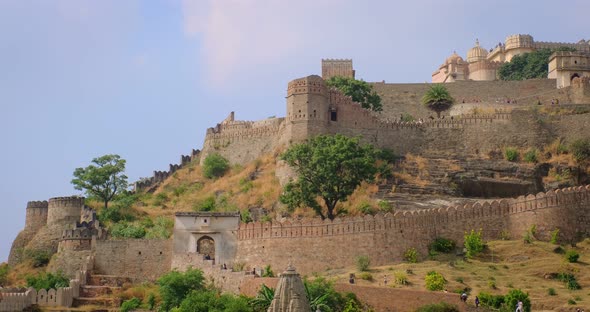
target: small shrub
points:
(533, 230)
(151, 301)
(580, 150)
(208, 204)
(160, 199)
(401, 278)
(181, 189)
(473, 243)
(131, 304)
(505, 235)
(238, 266)
(444, 245)
(385, 206)
(47, 281)
(570, 281)
(572, 256)
(492, 284)
(4, 269)
(514, 296)
(554, 236)
(551, 292)
(531, 156)
(268, 272)
(366, 276)
(127, 230)
(363, 263)
(411, 255)
(245, 185)
(39, 257)
(491, 301)
(571, 301)
(559, 250)
(365, 208)
(528, 238)
(438, 307)
(511, 154)
(435, 281)
(459, 280)
(215, 166)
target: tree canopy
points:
(329, 169)
(359, 90)
(438, 99)
(528, 65)
(104, 179)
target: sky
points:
(145, 79)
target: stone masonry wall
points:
(319, 245)
(138, 259)
(36, 218)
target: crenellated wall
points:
(316, 245)
(149, 184)
(243, 141)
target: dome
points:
(476, 53)
(454, 58)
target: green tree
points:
(438, 99)
(104, 179)
(212, 301)
(215, 166)
(528, 65)
(435, 281)
(513, 297)
(360, 92)
(175, 286)
(329, 169)
(473, 243)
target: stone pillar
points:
(290, 293)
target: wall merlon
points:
(37, 204)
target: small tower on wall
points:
(307, 108)
(290, 293)
(334, 67)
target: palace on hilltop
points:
(482, 65)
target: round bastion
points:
(64, 209)
(36, 215)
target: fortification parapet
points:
(519, 41)
(36, 215)
(159, 176)
(310, 84)
(65, 209)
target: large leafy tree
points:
(329, 169)
(528, 65)
(103, 179)
(438, 99)
(175, 286)
(359, 90)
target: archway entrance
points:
(574, 76)
(206, 247)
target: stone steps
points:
(107, 280)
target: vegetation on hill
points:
(103, 180)
(528, 65)
(329, 169)
(360, 92)
(438, 99)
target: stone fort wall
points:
(319, 245)
(36, 218)
(243, 141)
(137, 259)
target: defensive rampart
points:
(159, 176)
(137, 259)
(318, 245)
(243, 141)
(20, 299)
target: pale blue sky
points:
(144, 79)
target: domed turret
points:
(454, 58)
(476, 53)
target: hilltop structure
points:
(482, 65)
(215, 242)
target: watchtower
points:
(307, 107)
(36, 215)
(336, 67)
(65, 210)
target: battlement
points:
(310, 84)
(159, 176)
(422, 219)
(65, 209)
(337, 67)
(68, 201)
(519, 41)
(37, 204)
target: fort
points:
(212, 241)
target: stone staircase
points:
(96, 295)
